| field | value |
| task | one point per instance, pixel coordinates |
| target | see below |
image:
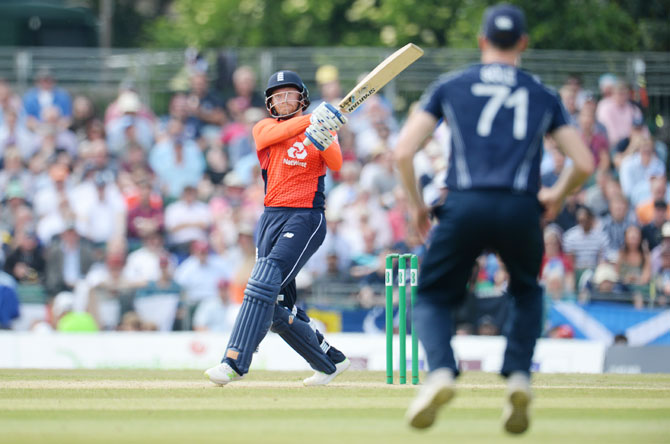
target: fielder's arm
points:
(419, 126)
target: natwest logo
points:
(297, 151)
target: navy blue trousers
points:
(290, 236)
(469, 222)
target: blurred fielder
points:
(290, 230)
(498, 115)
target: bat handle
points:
(306, 142)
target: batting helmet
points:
(286, 78)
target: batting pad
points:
(302, 338)
(255, 317)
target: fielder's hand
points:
(328, 116)
(319, 135)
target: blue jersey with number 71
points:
(498, 115)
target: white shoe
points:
(321, 378)
(222, 374)
(515, 413)
(437, 390)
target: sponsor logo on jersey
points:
(289, 235)
(297, 153)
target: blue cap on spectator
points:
(504, 25)
(638, 121)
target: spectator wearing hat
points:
(114, 110)
(67, 319)
(130, 127)
(328, 83)
(68, 260)
(217, 314)
(640, 166)
(605, 281)
(187, 220)
(14, 206)
(45, 93)
(201, 272)
(177, 161)
(585, 243)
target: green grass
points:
(135, 406)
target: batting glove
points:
(328, 116)
(319, 136)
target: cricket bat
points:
(380, 76)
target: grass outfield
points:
(124, 406)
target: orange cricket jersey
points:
(293, 173)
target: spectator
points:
(617, 222)
(14, 176)
(52, 136)
(662, 246)
(557, 271)
(83, 114)
(99, 208)
(377, 176)
(9, 301)
(596, 141)
(178, 162)
(328, 82)
(44, 94)
(652, 232)
(617, 113)
(646, 194)
(114, 110)
(625, 147)
(26, 261)
(569, 98)
(584, 243)
(130, 127)
(662, 279)
(143, 264)
(146, 216)
(640, 166)
(346, 192)
(200, 273)
(109, 295)
(68, 259)
(216, 314)
(599, 195)
(203, 105)
(68, 320)
(14, 134)
(634, 263)
(9, 102)
(186, 220)
(246, 96)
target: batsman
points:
(294, 151)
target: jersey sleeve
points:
(269, 131)
(560, 116)
(333, 156)
(431, 100)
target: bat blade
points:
(380, 76)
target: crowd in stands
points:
(123, 219)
